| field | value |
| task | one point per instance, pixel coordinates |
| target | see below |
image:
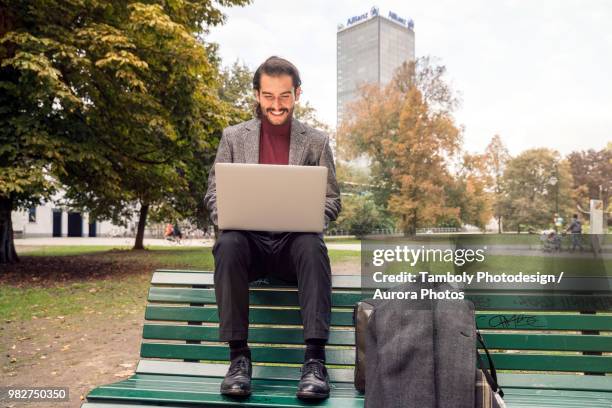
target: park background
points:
(114, 109)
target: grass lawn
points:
(20, 303)
(191, 257)
(57, 250)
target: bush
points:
(360, 216)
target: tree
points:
(497, 155)
(40, 116)
(360, 216)
(237, 90)
(469, 191)
(308, 114)
(536, 184)
(592, 174)
(408, 131)
(108, 98)
(170, 122)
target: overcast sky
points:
(539, 73)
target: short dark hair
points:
(275, 66)
(575, 215)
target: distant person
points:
(554, 241)
(575, 228)
(169, 231)
(300, 258)
(176, 232)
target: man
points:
(274, 137)
(575, 228)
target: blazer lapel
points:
(251, 141)
(297, 143)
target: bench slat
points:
(353, 282)
(256, 334)
(530, 398)
(505, 301)
(205, 278)
(260, 316)
(530, 321)
(268, 354)
(181, 368)
(344, 317)
(205, 390)
(346, 337)
(257, 296)
(551, 362)
(273, 354)
(552, 342)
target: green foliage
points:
(468, 191)
(592, 174)
(306, 113)
(536, 183)
(360, 216)
(237, 90)
(115, 100)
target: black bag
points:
(421, 356)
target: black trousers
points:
(296, 258)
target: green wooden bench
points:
(543, 343)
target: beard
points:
(272, 118)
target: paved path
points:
(107, 241)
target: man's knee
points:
(309, 253)
(231, 243)
(309, 245)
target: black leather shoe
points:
(314, 383)
(237, 381)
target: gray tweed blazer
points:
(307, 147)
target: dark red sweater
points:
(274, 142)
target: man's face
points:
(277, 98)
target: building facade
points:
(370, 47)
(49, 219)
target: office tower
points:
(370, 47)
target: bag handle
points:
(492, 375)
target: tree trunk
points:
(8, 254)
(499, 226)
(142, 222)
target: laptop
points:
(269, 197)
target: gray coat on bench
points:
(307, 147)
